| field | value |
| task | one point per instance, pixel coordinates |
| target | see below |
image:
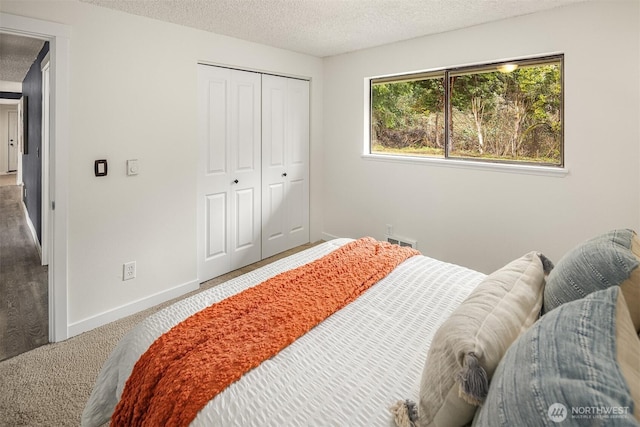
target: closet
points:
(253, 171)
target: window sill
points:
(526, 169)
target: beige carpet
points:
(49, 386)
(8, 179)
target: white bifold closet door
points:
(229, 176)
(253, 172)
(285, 164)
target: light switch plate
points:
(133, 167)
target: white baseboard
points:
(326, 236)
(32, 229)
(130, 308)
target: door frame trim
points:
(17, 147)
(58, 36)
(45, 152)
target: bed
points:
(353, 367)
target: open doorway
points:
(9, 148)
(23, 166)
(58, 36)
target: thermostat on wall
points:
(100, 167)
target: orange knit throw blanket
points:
(195, 360)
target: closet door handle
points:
(284, 174)
(235, 181)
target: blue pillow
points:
(565, 368)
(610, 259)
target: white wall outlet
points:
(389, 230)
(129, 270)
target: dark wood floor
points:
(23, 281)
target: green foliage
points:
(408, 113)
(494, 115)
(391, 104)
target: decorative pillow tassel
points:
(473, 380)
(405, 413)
(547, 264)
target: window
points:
(509, 112)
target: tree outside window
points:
(508, 112)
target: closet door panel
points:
(296, 203)
(245, 214)
(216, 225)
(285, 145)
(246, 169)
(273, 228)
(297, 162)
(274, 184)
(216, 126)
(229, 170)
(274, 125)
(299, 123)
(247, 126)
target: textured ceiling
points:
(315, 27)
(16, 56)
(328, 27)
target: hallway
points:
(23, 281)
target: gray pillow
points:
(468, 346)
(611, 259)
(577, 364)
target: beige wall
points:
(483, 218)
(132, 94)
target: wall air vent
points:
(402, 241)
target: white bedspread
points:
(346, 371)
